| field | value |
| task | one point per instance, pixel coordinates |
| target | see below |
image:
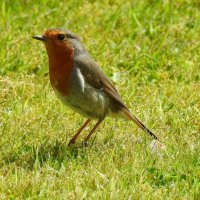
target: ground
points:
(151, 51)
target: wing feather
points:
(94, 75)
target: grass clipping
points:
(156, 147)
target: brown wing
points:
(95, 76)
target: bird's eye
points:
(61, 36)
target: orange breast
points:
(60, 68)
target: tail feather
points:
(139, 123)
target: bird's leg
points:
(92, 131)
(73, 140)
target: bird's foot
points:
(71, 142)
(85, 143)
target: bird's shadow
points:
(29, 157)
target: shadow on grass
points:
(55, 154)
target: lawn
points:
(151, 51)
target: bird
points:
(81, 84)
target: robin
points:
(80, 83)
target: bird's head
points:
(60, 41)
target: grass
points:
(151, 50)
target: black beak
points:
(39, 37)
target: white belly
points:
(84, 98)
